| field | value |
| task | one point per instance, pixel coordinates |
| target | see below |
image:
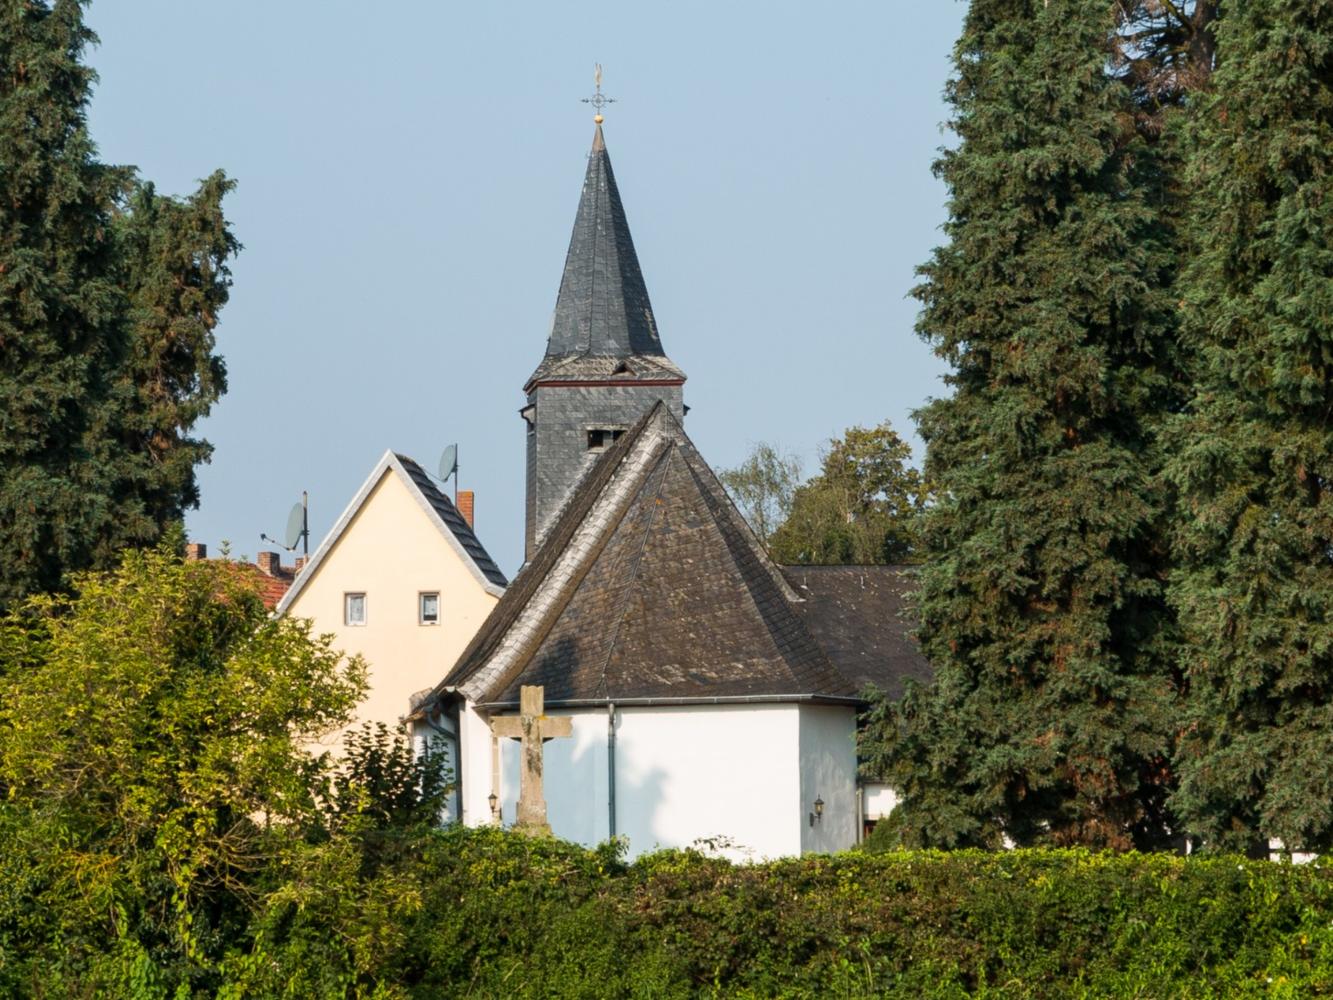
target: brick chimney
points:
(466, 502)
(196, 551)
(300, 563)
(270, 563)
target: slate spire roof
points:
(603, 324)
(650, 587)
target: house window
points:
(601, 438)
(429, 606)
(354, 609)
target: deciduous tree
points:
(152, 734)
(762, 487)
(863, 507)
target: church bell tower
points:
(604, 365)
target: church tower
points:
(604, 365)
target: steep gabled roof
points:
(602, 314)
(449, 515)
(437, 507)
(650, 587)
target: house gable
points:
(393, 545)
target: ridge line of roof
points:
(504, 616)
(598, 145)
(742, 526)
(788, 597)
(566, 589)
(667, 455)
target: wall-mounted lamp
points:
(818, 815)
(494, 800)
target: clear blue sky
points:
(408, 177)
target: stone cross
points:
(532, 728)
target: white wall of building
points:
(474, 770)
(828, 773)
(683, 774)
(575, 780)
(878, 801)
(695, 772)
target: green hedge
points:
(489, 914)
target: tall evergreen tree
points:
(1041, 598)
(173, 260)
(1253, 457)
(108, 296)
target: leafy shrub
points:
(383, 778)
(499, 914)
(162, 834)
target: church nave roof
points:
(651, 588)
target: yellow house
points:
(402, 580)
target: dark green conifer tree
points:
(173, 259)
(1041, 596)
(1253, 457)
(108, 298)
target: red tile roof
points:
(270, 588)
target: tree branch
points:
(1180, 14)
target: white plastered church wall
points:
(730, 774)
(828, 774)
(475, 766)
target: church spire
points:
(603, 308)
(604, 365)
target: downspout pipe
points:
(611, 768)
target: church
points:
(711, 696)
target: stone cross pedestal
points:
(532, 728)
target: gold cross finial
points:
(598, 100)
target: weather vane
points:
(598, 100)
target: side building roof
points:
(651, 588)
(437, 507)
(862, 616)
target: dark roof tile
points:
(454, 521)
(602, 313)
(674, 599)
(862, 617)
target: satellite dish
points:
(295, 525)
(449, 462)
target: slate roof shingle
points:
(603, 318)
(454, 521)
(862, 617)
(651, 587)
